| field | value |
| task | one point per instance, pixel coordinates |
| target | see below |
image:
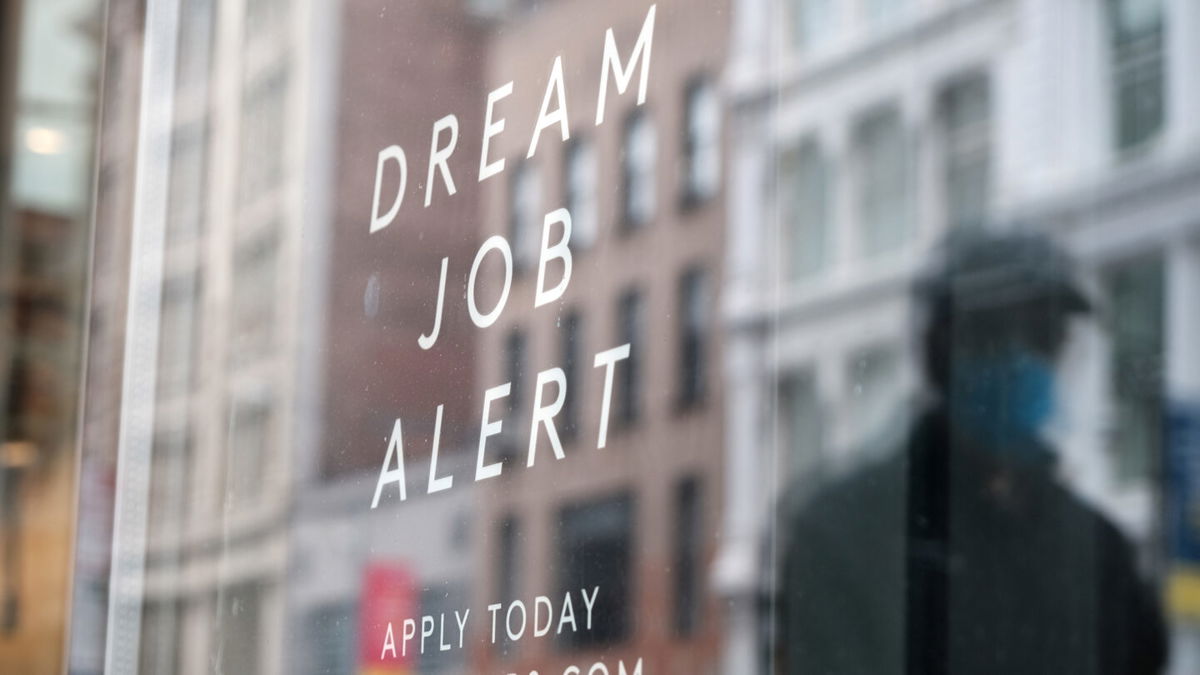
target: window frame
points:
(963, 145)
(869, 193)
(1136, 58)
(808, 147)
(631, 328)
(584, 226)
(630, 221)
(692, 194)
(693, 337)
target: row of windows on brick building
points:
(699, 180)
(594, 546)
(691, 353)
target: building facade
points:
(45, 201)
(863, 133)
(523, 336)
(633, 514)
(212, 398)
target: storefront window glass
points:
(502, 337)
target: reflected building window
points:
(803, 430)
(689, 552)
(263, 125)
(810, 23)
(595, 548)
(255, 275)
(581, 188)
(460, 533)
(693, 323)
(524, 218)
(572, 339)
(249, 447)
(438, 600)
(630, 313)
(178, 332)
(170, 494)
(263, 16)
(639, 157)
(881, 13)
(965, 112)
(161, 640)
(1137, 36)
(330, 633)
(194, 65)
(515, 355)
(701, 142)
(237, 629)
(188, 183)
(804, 196)
(883, 194)
(1136, 295)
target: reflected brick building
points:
(396, 68)
(645, 191)
(401, 67)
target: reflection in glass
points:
(883, 191)
(639, 153)
(702, 141)
(966, 124)
(805, 200)
(630, 330)
(693, 327)
(595, 550)
(828, 448)
(581, 192)
(1137, 45)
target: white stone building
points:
(861, 131)
(216, 394)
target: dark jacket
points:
(947, 559)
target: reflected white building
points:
(234, 88)
(862, 132)
(350, 565)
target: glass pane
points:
(884, 172)
(966, 119)
(1138, 49)
(594, 338)
(50, 61)
(639, 155)
(805, 193)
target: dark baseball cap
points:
(987, 271)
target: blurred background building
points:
(49, 70)
(212, 397)
(116, 164)
(862, 132)
(184, 254)
(645, 193)
(351, 564)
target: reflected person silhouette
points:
(960, 552)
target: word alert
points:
(542, 417)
